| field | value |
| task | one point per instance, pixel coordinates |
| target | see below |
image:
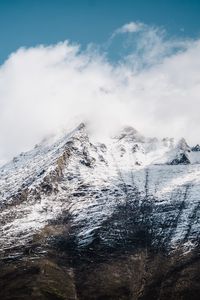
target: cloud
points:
(146, 45)
(154, 87)
(130, 27)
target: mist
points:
(152, 84)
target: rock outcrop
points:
(91, 221)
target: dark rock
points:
(181, 160)
(196, 148)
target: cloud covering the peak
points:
(153, 86)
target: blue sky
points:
(32, 22)
(111, 63)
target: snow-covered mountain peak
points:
(196, 148)
(129, 134)
(182, 145)
(90, 181)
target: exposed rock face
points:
(181, 159)
(196, 148)
(94, 221)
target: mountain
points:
(115, 220)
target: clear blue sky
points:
(32, 22)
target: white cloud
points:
(131, 27)
(43, 89)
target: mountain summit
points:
(101, 221)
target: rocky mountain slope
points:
(114, 220)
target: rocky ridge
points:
(72, 209)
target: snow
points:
(95, 179)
